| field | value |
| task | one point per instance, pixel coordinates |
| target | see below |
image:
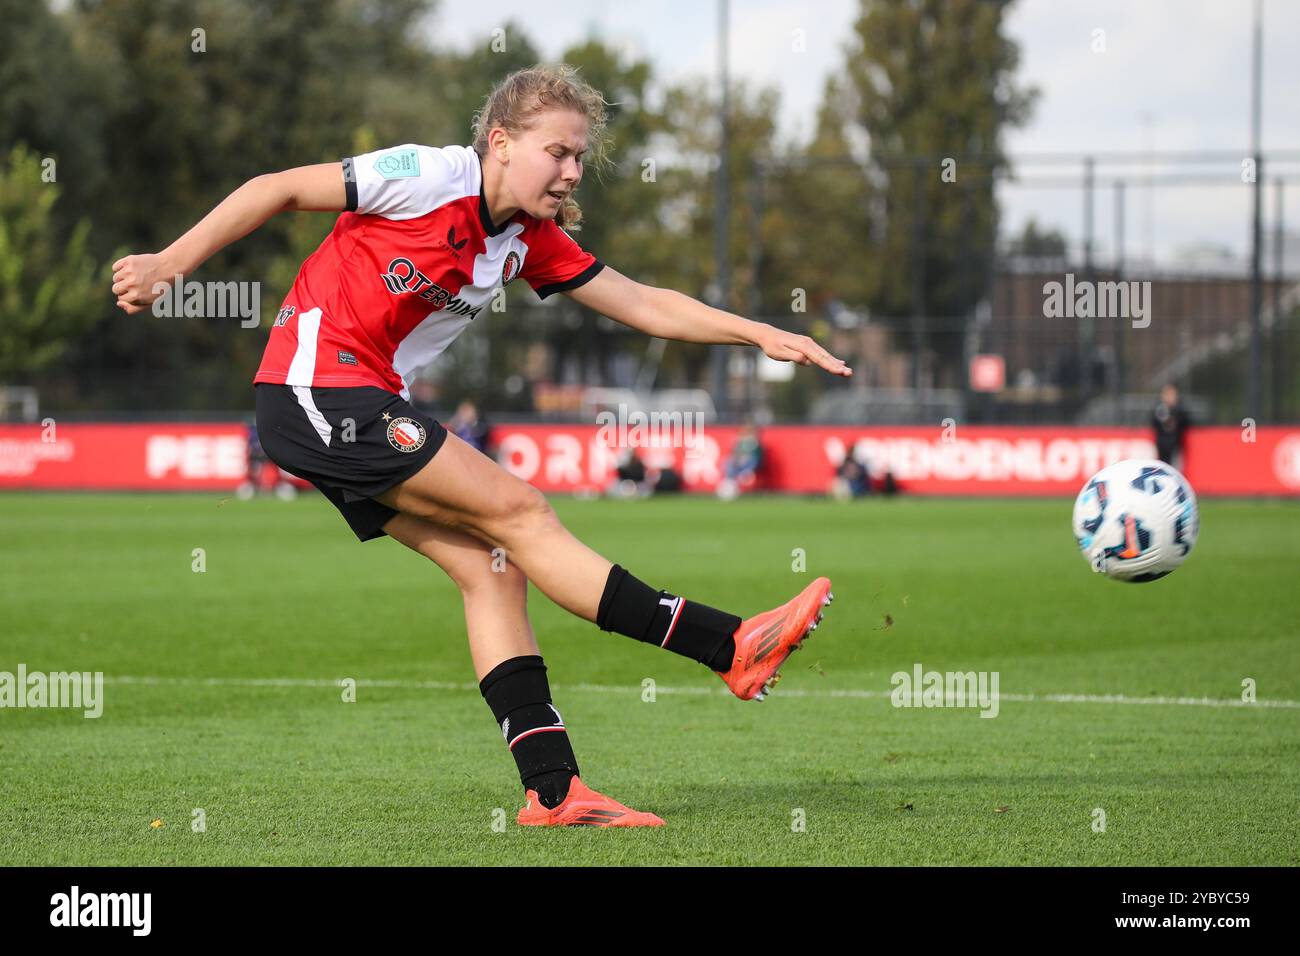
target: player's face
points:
(547, 163)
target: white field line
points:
(708, 691)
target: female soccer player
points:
(426, 237)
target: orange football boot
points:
(584, 807)
(765, 641)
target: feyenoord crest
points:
(510, 269)
(406, 434)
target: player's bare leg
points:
(512, 678)
(462, 489)
(494, 591)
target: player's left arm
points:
(669, 314)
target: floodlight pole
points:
(1276, 338)
(720, 355)
(1254, 369)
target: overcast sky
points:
(1175, 74)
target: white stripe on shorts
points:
(313, 413)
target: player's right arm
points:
(138, 280)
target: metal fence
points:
(1221, 327)
(1224, 330)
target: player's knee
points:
(525, 511)
(537, 512)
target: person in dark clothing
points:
(852, 477)
(470, 427)
(263, 474)
(743, 464)
(1171, 422)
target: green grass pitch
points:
(220, 691)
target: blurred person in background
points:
(631, 478)
(264, 475)
(667, 480)
(1171, 421)
(469, 427)
(743, 464)
(635, 479)
(852, 477)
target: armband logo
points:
(398, 164)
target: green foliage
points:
(818, 227)
(1034, 241)
(935, 81)
(155, 110)
(49, 289)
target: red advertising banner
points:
(959, 459)
(137, 456)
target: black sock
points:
(520, 698)
(634, 609)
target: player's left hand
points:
(789, 347)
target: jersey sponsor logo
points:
(398, 164)
(511, 268)
(403, 277)
(285, 314)
(406, 434)
(401, 273)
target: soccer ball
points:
(1136, 520)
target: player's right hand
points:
(135, 279)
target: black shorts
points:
(351, 443)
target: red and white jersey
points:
(413, 262)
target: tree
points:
(935, 83)
(1036, 243)
(49, 284)
(54, 98)
(681, 254)
(818, 222)
(193, 98)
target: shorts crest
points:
(406, 434)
